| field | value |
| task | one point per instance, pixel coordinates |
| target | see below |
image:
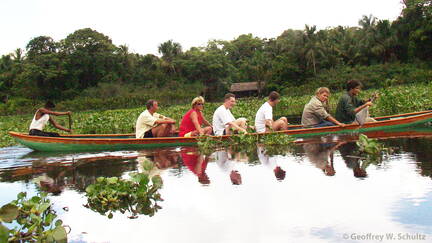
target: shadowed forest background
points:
(87, 71)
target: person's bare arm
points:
(55, 113)
(206, 122)
(58, 126)
(165, 121)
(235, 126)
(194, 118)
(358, 109)
(268, 125)
(332, 119)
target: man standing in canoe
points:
(264, 117)
(42, 117)
(350, 108)
(224, 121)
(151, 124)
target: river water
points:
(323, 190)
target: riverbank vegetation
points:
(86, 71)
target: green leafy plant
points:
(135, 195)
(369, 146)
(35, 219)
(244, 142)
(371, 150)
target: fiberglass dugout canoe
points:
(92, 142)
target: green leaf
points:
(8, 212)
(58, 223)
(42, 207)
(4, 233)
(21, 195)
(110, 215)
(60, 234)
(147, 165)
(157, 181)
(90, 189)
(35, 199)
(32, 228)
(141, 178)
(112, 180)
(49, 219)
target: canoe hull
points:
(93, 142)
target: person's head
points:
(235, 177)
(203, 179)
(329, 170)
(198, 103)
(279, 173)
(274, 97)
(152, 105)
(354, 86)
(359, 172)
(49, 105)
(323, 94)
(229, 100)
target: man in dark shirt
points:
(349, 105)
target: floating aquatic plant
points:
(137, 195)
(34, 220)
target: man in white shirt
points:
(224, 121)
(264, 117)
(151, 124)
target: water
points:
(318, 192)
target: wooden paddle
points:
(70, 123)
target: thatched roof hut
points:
(246, 88)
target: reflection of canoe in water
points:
(89, 142)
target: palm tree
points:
(169, 51)
(310, 45)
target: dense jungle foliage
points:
(87, 71)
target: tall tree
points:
(170, 50)
(89, 58)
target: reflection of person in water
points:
(320, 153)
(197, 163)
(52, 182)
(227, 165)
(165, 159)
(162, 159)
(271, 163)
(350, 154)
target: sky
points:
(143, 25)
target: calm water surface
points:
(318, 192)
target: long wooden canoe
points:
(92, 142)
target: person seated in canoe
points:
(224, 121)
(191, 124)
(316, 112)
(151, 124)
(351, 109)
(264, 117)
(42, 117)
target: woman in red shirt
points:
(193, 119)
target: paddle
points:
(70, 123)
